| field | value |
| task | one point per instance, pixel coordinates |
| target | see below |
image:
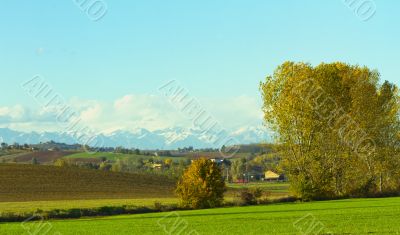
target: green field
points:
(356, 216)
(116, 156)
(27, 207)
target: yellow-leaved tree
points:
(338, 129)
(202, 185)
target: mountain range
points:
(171, 138)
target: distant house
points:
(157, 166)
(217, 160)
(272, 176)
(241, 181)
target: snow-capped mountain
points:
(248, 135)
(171, 138)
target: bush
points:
(73, 213)
(159, 207)
(251, 196)
(202, 185)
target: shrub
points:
(251, 196)
(202, 185)
(159, 207)
(73, 213)
(61, 163)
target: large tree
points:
(337, 128)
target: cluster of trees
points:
(202, 186)
(186, 149)
(253, 167)
(127, 151)
(338, 129)
(167, 167)
(45, 146)
(67, 162)
(63, 147)
(16, 146)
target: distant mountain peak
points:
(169, 138)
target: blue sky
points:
(218, 50)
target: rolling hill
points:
(41, 156)
(116, 156)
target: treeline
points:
(50, 145)
(167, 167)
(16, 146)
(54, 146)
(338, 129)
(245, 169)
(252, 168)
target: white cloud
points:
(235, 112)
(123, 103)
(27, 119)
(91, 113)
(15, 112)
(134, 111)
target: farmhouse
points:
(272, 176)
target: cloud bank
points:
(133, 111)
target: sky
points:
(109, 58)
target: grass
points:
(115, 156)
(19, 182)
(26, 207)
(276, 191)
(356, 216)
(42, 157)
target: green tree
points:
(238, 169)
(202, 185)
